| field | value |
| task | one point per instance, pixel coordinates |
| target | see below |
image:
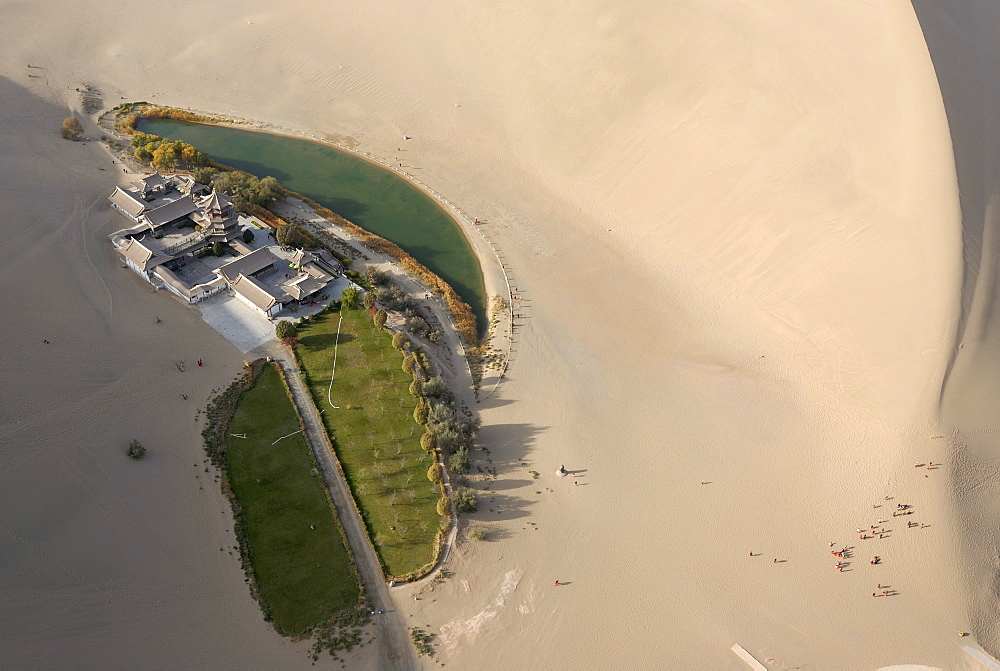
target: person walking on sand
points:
(199, 363)
(557, 583)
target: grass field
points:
(376, 437)
(304, 575)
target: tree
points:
(420, 412)
(267, 192)
(248, 235)
(399, 339)
(72, 129)
(203, 175)
(247, 190)
(443, 507)
(466, 500)
(409, 363)
(428, 441)
(173, 154)
(349, 298)
(217, 248)
(414, 388)
(285, 330)
(379, 318)
(291, 235)
(143, 139)
(369, 300)
(135, 449)
(434, 473)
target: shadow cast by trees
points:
(322, 341)
(500, 468)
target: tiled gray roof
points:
(128, 201)
(143, 253)
(254, 292)
(171, 211)
(254, 262)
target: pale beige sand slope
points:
(771, 310)
(962, 40)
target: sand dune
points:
(737, 230)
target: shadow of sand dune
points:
(961, 37)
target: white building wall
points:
(267, 315)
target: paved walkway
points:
(392, 637)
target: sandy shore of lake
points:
(737, 236)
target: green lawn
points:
(375, 436)
(304, 575)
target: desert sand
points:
(737, 232)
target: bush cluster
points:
(454, 431)
(461, 312)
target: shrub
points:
(466, 500)
(435, 387)
(135, 449)
(72, 129)
(217, 248)
(369, 300)
(376, 276)
(248, 236)
(428, 441)
(434, 473)
(443, 506)
(285, 330)
(418, 326)
(420, 413)
(380, 318)
(458, 462)
(454, 431)
(398, 339)
(477, 533)
(415, 388)
(349, 298)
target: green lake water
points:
(372, 197)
